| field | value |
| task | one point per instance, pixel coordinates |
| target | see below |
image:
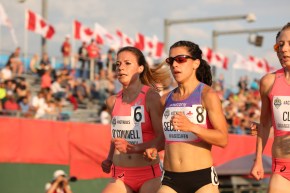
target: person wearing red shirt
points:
(66, 51)
(46, 80)
(94, 55)
(10, 104)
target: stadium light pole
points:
(215, 33)
(168, 22)
(44, 15)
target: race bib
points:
(196, 114)
(281, 110)
(214, 177)
(129, 127)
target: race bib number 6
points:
(138, 114)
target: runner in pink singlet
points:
(136, 125)
(275, 112)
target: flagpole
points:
(233, 78)
(44, 16)
(25, 36)
(73, 62)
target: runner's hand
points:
(122, 145)
(106, 166)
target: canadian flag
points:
(215, 58)
(106, 37)
(140, 41)
(4, 20)
(83, 33)
(252, 64)
(37, 24)
(149, 45)
(257, 64)
(125, 40)
(242, 63)
(260, 65)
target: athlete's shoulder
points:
(268, 78)
(110, 102)
(208, 91)
(152, 95)
(267, 82)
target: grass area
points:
(31, 178)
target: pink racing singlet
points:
(280, 104)
(132, 121)
(194, 111)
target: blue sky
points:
(147, 17)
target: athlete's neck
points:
(187, 89)
(132, 91)
(287, 74)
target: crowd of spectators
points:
(73, 87)
(241, 108)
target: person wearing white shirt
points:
(39, 105)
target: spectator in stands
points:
(243, 83)
(95, 86)
(34, 63)
(116, 84)
(52, 110)
(82, 91)
(66, 76)
(59, 184)
(66, 51)
(275, 112)
(1, 107)
(255, 84)
(45, 64)
(221, 81)
(105, 117)
(105, 87)
(11, 107)
(2, 94)
(6, 72)
(10, 86)
(111, 60)
(16, 63)
(58, 92)
(72, 99)
(38, 104)
(46, 79)
(40, 68)
(25, 108)
(22, 88)
(242, 128)
(136, 108)
(83, 58)
(94, 56)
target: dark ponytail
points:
(203, 73)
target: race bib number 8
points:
(195, 113)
